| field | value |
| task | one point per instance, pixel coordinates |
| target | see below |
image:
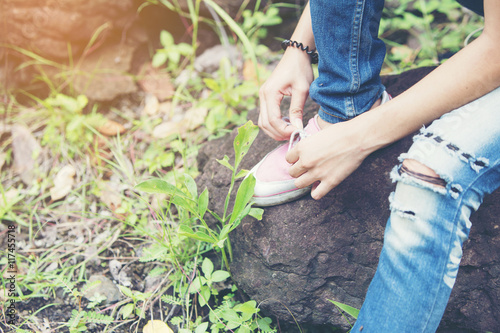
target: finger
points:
(320, 190)
(264, 115)
(297, 103)
(292, 156)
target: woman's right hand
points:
(292, 77)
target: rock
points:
(46, 26)
(105, 288)
(103, 75)
(304, 253)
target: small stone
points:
(105, 288)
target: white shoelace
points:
(296, 136)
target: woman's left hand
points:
(327, 157)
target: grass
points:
(174, 266)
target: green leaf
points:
(225, 162)
(247, 307)
(166, 38)
(212, 84)
(126, 291)
(207, 267)
(158, 186)
(242, 142)
(353, 312)
(202, 328)
(195, 285)
(204, 296)
(203, 203)
(159, 58)
(191, 185)
(127, 310)
(256, 213)
(219, 276)
(243, 197)
(186, 231)
(241, 174)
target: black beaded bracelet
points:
(313, 55)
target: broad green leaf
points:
(127, 310)
(191, 186)
(207, 268)
(212, 84)
(241, 174)
(219, 276)
(243, 197)
(256, 213)
(126, 291)
(166, 38)
(202, 328)
(244, 329)
(195, 285)
(247, 307)
(204, 296)
(158, 186)
(242, 142)
(159, 58)
(185, 203)
(353, 312)
(203, 203)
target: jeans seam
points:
(354, 55)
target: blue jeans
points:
(350, 57)
(429, 223)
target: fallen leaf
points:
(111, 128)
(249, 73)
(166, 129)
(194, 118)
(26, 150)
(151, 105)
(157, 82)
(157, 326)
(63, 183)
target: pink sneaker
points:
(273, 183)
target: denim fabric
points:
(428, 224)
(350, 56)
(476, 6)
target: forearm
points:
(470, 74)
(303, 32)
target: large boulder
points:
(305, 253)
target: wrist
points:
(293, 44)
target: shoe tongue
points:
(312, 126)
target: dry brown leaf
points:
(63, 183)
(25, 148)
(111, 128)
(157, 82)
(157, 326)
(249, 73)
(194, 118)
(166, 129)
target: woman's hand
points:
(327, 157)
(292, 77)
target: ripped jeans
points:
(428, 224)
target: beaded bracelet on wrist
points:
(313, 55)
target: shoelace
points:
(296, 136)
